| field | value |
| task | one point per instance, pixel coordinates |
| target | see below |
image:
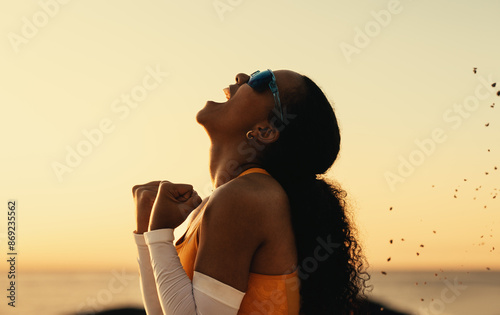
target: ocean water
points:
(438, 292)
(446, 293)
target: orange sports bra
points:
(266, 294)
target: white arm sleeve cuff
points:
(148, 284)
(177, 295)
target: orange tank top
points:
(266, 294)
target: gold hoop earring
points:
(249, 136)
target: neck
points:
(226, 164)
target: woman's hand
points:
(144, 198)
(173, 204)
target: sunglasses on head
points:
(259, 81)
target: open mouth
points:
(227, 92)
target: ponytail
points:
(330, 263)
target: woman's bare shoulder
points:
(254, 195)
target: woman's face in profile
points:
(243, 109)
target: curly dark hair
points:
(331, 266)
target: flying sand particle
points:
(494, 84)
(474, 70)
(384, 273)
(390, 241)
(389, 259)
(487, 124)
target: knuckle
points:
(134, 189)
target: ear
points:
(265, 133)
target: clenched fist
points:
(162, 204)
(144, 198)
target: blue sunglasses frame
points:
(258, 81)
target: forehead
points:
(288, 80)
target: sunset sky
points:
(121, 82)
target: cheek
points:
(255, 109)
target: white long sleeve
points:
(174, 290)
(148, 284)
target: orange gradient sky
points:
(412, 113)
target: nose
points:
(242, 78)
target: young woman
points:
(272, 238)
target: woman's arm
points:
(148, 283)
(165, 285)
(176, 293)
(144, 197)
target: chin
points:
(199, 117)
(207, 113)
